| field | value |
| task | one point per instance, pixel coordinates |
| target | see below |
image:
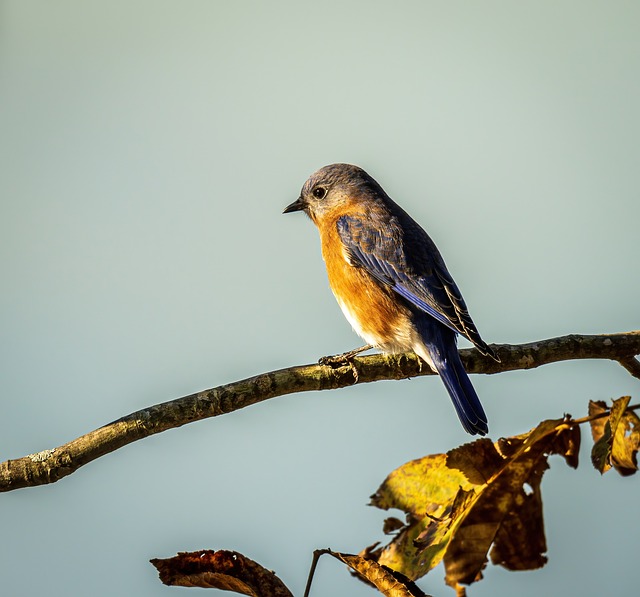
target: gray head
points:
(332, 187)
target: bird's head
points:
(331, 188)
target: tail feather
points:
(439, 343)
(463, 395)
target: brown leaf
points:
(567, 444)
(478, 500)
(597, 407)
(387, 581)
(601, 433)
(225, 570)
(527, 523)
(391, 525)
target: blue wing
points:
(397, 252)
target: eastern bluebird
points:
(390, 279)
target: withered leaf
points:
(597, 407)
(420, 486)
(480, 500)
(425, 489)
(616, 437)
(601, 433)
(387, 581)
(391, 525)
(225, 570)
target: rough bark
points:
(49, 466)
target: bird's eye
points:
(319, 192)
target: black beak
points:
(297, 205)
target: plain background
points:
(147, 152)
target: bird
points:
(390, 280)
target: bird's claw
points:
(336, 360)
(342, 360)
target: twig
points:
(316, 556)
(602, 415)
(51, 465)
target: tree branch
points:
(51, 465)
(632, 365)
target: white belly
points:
(401, 341)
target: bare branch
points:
(51, 465)
(632, 365)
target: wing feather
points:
(416, 272)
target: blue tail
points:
(441, 345)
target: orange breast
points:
(373, 310)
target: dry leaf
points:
(478, 500)
(616, 437)
(387, 581)
(601, 433)
(225, 570)
(391, 525)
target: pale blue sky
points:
(147, 152)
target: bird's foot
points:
(340, 360)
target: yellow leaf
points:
(617, 437)
(425, 489)
(422, 486)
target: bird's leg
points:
(345, 358)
